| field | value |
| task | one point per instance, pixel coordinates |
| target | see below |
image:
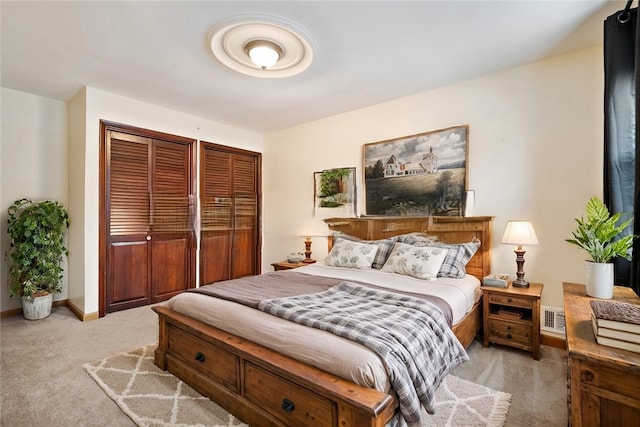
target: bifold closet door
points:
(150, 252)
(230, 235)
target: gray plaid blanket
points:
(410, 335)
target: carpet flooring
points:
(154, 398)
(43, 383)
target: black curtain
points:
(621, 194)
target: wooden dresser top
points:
(581, 342)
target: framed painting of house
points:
(335, 192)
(416, 175)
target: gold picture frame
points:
(417, 175)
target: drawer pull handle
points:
(509, 336)
(199, 357)
(287, 405)
(509, 300)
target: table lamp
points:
(520, 233)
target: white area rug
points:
(151, 397)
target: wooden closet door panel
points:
(150, 253)
(245, 241)
(214, 256)
(170, 272)
(216, 216)
(128, 185)
(127, 264)
(171, 219)
(229, 213)
(243, 254)
(244, 237)
(171, 196)
(130, 260)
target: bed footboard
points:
(260, 386)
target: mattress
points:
(339, 356)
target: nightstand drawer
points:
(510, 331)
(510, 300)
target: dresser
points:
(603, 382)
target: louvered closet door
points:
(229, 245)
(172, 247)
(150, 255)
(245, 206)
(216, 217)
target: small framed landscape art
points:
(416, 175)
(335, 192)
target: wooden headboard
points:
(449, 229)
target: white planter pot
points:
(599, 279)
(37, 308)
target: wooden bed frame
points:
(265, 388)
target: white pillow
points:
(419, 262)
(350, 254)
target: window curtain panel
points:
(621, 194)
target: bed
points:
(267, 387)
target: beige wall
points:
(535, 153)
(33, 163)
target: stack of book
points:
(516, 313)
(616, 324)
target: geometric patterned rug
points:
(155, 398)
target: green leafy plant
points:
(37, 246)
(598, 233)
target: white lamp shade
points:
(520, 233)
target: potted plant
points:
(37, 247)
(601, 236)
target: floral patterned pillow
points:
(384, 248)
(415, 261)
(350, 254)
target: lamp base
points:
(520, 283)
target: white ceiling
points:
(367, 51)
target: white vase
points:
(599, 279)
(37, 308)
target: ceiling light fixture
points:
(262, 45)
(263, 53)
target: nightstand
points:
(511, 316)
(284, 265)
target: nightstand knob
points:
(509, 336)
(508, 328)
(509, 300)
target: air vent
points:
(552, 319)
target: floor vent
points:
(552, 319)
